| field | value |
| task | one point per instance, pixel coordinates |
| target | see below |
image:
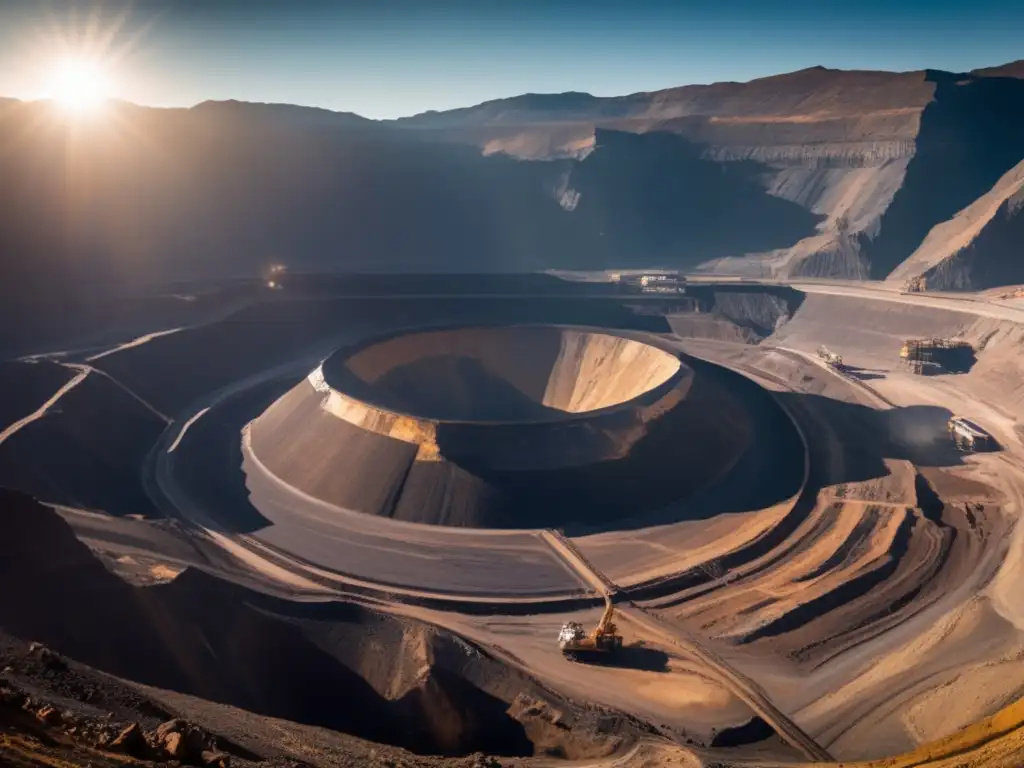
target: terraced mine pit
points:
(784, 544)
(500, 427)
(336, 666)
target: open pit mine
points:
(293, 474)
(538, 520)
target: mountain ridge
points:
(821, 172)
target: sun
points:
(80, 86)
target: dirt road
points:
(740, 685)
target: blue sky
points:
(387, 58)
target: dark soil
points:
(337, 666)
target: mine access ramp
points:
(968, 436)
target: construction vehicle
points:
(968, 436)
(273, 275)
(916, 285)
(651, 282)
(832, 360)
(930, 356)
(575, 643)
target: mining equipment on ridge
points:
(932, 356)
(831, 359)
(917, 284)
(968, 436)
(576, 644)
(651, 282)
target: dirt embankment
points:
(953, 165)
(333, 460)
(978, 247)
(171, 372)
(725, 313)
(335, 665)
(86, 450)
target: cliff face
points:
(818, 172)
(977, 248)
(880, 157)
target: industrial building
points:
(933, 356)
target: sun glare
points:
(79, 85)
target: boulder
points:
(131, 742)
(212, 759)
(171, 726)
(48, 715)
(182, 741)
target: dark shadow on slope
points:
(761, 309)
(216, 192)
(652, 199)
(849, 443)
(26, 386)
(863, 374)
(453, 388)
(970, 135)
(992, 259)
(842, 594)
(208, 460)
(87, 451)
(750, 733)
(204, 637)
(919, 433)
(174, 371)
(634, 656)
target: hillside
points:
(1013, 69)
(818, 172)
(978, 247)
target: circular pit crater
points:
(499, 427)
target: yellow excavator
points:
(575, 643)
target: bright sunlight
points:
(80, 86)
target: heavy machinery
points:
(968, 436)
(576, 644)
(273, 275)
(651, 282)
(929, 356)
(916, 285)
(831, 359)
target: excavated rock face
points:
(504, 374)
(336, 666)
(509, 427)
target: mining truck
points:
(968, 436)
(830, 358)
(575, 643)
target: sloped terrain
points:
(568, 371)
(27, 386)
(337, 666)
(818, 172)
(87, 449)
(979, 247)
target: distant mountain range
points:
(820, 172)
